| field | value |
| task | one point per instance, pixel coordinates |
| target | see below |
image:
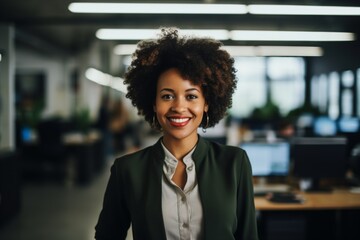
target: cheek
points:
(199, 111)
(160, 109)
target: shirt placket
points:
(184, 216)
(183, 204)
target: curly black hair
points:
(201, 60)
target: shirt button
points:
(185, 225)
(190, 168)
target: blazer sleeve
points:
(247, 224)
(114, 219)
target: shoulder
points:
(133, 160)
(224, 155)
(221, 149)
(150, 155)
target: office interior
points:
(64, 116)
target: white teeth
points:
(179, 120)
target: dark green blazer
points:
(133, 194)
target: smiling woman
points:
(182, 187)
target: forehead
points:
(172, 78)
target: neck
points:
(180, 147)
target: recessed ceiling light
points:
(288, 51)
(300, 51)
(222, 34)
(139, 34)
(254, 35)
(157, 8)
(303, 10)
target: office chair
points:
(51, 150)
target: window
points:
(251, 86)
(347, 81)
(287, 84)
(334, 88)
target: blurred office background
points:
(64, 117)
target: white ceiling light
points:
(124, 49)
(205, 8)
(139, 34)
(221, 34)
(303, 10)
(300, 51)
(105, 79)
(288, 51)
(98, 76)
(157, 8)
(253, 35)
(0, 57)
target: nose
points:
(178, 105)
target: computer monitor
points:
(317, 158)
(348, 124)
(325, 127)
(268, 158)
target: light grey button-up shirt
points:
(182, 210)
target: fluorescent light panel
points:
(157, 8)
(250, 35)
(124, 49)
(105, 79)
(183, 8)
(284, 51)
(138, 34)
(290, 51)
(303, 10)
(222, 34)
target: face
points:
(179, 106)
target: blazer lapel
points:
(153, 202)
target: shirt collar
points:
(171, 160)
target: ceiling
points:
(50, 23)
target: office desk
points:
(331, 216)
(336, 200)
(82, 157)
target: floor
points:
(61, 211)
(54, 211)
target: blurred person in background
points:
(124, 128)
(183, 186)
(119, 119)
(103, 125)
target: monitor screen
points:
(319, 157)
(349, 124)
(25, 134)
(324, 127)
(305, 120)
(268, 159)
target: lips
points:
(179, 121)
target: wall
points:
(7, 140)
(337, 57)
(57, 83)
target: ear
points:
(206, 108)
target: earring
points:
(207, 123)
(153, 123)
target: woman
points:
(182, 187)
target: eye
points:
(191, 97)
(167, 97)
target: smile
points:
(179, 122)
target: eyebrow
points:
(187, 90)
